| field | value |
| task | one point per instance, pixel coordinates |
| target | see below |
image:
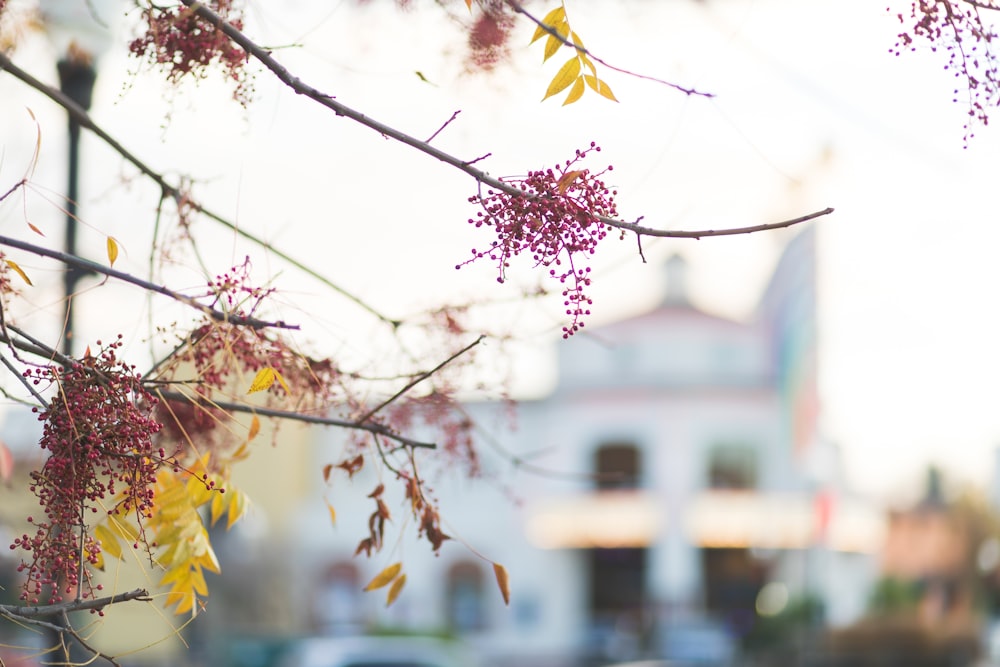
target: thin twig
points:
(302, 417)
(516, 6)
(420, 378)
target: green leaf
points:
(566, 75)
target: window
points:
(732, 467)
(616, 466)
(465, 597)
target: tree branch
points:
(49, 610)
(80, 115)
(265, 58)
(87, 265)
(377, 429)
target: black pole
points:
(76, 81)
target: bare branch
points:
(296, 84)
(420, 378)
(80, 115)
(50, 610)
(87, 265)
(377, 429)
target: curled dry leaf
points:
(502, 581)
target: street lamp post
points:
(76, 81)
(81, 31)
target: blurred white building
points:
(684, 474)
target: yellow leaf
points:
(575, 93)
(186, 602)
(395, 589)
(502, 582)
(577, 41)
(281, 381)
(108, 540)
(333, 512)
(600, 87)
(254, 428)
(263, 380)
(198, 581)
(123, 528)
(553, 43)
(179, 576)
(17, 269)
(218, 507)
(564, 77)
(552, 19)
(209, 561)
(237, 507)
(384, 577)
(112, 250)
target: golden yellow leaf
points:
(198, 581)
(552, 19)
(575, 93)
(263, 380)
(254, 428)
(600, 87)
(237, 507)
(108, 540)
(282, 382)
(395, 589)
(553, 43)
(17, 269)
(218, 507)
(112, 250)
(179, 576)
(501, 572)
(564, 77)
(333, 512)
(577, 41)
(124, 528)
(384, 577)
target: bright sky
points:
(811, 111)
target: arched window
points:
(465, 597)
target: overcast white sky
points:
(811, 111)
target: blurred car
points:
(375, 652)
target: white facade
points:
(698, 408)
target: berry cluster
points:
(555, 217)
(185, 44)
(98, 432)
(958, 28)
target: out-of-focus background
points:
(771, 449)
